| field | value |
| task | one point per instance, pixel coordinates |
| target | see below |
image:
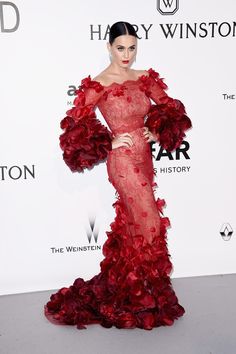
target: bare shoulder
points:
(102, 78)
(99, 77)
(142, 72)
(105, 78)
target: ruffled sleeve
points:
(167, 118)
(85, 140)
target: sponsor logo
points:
(181, 153)
(228, 97)
(92, 233)
(174, 31)
(74, 249)
(98, 32)
(226, 231)
(167, 7)
(17, 172)
(198, 30)
(9, 17)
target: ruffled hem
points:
(133, 288)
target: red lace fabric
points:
(133, 288)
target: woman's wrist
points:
(156, 136)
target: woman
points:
(133, 288)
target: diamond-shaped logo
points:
(226, 231)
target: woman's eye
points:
(131, 49)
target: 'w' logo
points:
(167, 7)
(92, 232)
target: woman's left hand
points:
(150, 136)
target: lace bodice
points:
(128, 111)
(124, 105)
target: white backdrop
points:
(46, 48)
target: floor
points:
(207, 327)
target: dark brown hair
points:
(120, 28)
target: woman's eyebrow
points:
(119, 45)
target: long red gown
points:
(133, 288)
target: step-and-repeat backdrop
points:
(53, 221)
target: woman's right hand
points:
(124, 139)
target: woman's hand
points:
(125, 139)
(122, 140)
(150, 136)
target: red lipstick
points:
(125, 61)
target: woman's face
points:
(123, 50)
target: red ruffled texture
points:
(133, 288)
(85, 141)
(168, 118)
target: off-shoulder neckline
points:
(124, 82)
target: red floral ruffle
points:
(168, 119)
(146, 81)
(170, 122)
(133, 288)
(85, 140)
(84, 143)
